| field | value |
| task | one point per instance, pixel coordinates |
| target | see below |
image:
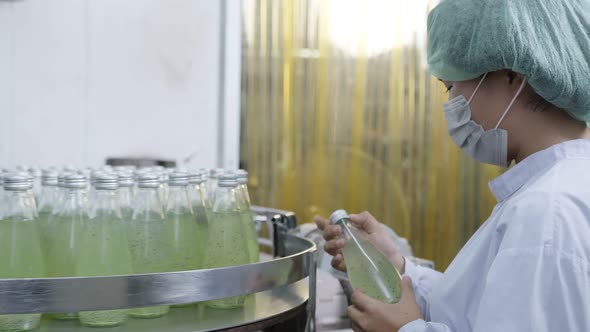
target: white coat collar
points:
(512, 180)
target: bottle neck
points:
(178, 199)
(348, 231)
(211, 189)
(48, 198)
(246, 194)
(242, 200)
(74, 201)
(19, 205)
(147, 201)
(225, 200)
(197, 195)
(105, 204)
(125, 196)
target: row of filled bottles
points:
(122, 221)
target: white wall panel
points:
(82, 80)
(48, 70)
(6, 40)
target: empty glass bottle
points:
(246, 216)
(105, 250)
(368, 269)
(227, 245)
(20, 249)
(149, 242)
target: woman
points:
(518, 78)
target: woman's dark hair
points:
(537, 102)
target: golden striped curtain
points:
(339, 111)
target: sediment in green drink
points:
(227, 247)
(376, 276)
(21, 258)
(250, 236)
(149, 247)
(104, 252)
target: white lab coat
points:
(527, 268)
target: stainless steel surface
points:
(130, 291)
(265, 308)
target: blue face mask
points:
(489, 147)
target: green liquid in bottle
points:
(43, 222)
(21, 257)
(104, 252)
(226, 247)
(202, 217)
(149, 244)
(62, 244)
(376, 276)
(185, 256)
(183, 230)
(251, 236)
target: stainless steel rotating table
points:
(282, 295)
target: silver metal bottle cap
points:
(216, 173)
(204, 173)
(195, 177)
(163, 177)
(148, 180)
(242, 176)
(125, 179)
(106, 182)
(75, 181)
(18, 181)
(337, 215)
(49, 177)
(178, 178)
(228, 179)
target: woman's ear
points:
(514, 80)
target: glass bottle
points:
(126, 185)
(227, 244)
(1, 193)
(149, 242)
(214, 175)
(105, 250)
(47, 202)
(21, 255)
(181, 225)
(36, 176)
(197, 192)
(247, 217)
(63, 232)
(87, 172)
(368, 269)
(163, 188)
(61, 179)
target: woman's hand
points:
(370, 315)
(367, 223)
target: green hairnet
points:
(548, 41)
